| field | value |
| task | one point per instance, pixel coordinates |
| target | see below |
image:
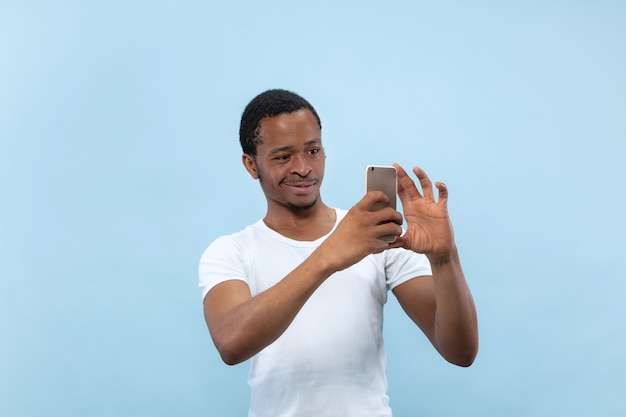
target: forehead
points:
(297, 126)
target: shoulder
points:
(237, 241)
(227, 257)
(240, 238)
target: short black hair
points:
(268, 104)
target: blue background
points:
(120, 163)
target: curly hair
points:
(268, 104)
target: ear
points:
(250, 165)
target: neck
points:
(301, 224)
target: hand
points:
(359, 233)
(429, 230)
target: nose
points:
(300, 165)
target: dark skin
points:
(290, 166)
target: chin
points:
(302, 207)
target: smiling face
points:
(289, 161)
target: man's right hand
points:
(359, 233)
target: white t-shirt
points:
(331, 360)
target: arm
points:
(441, 305)
(241, 325)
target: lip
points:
(300, 187)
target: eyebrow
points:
(287, 148)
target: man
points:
(301, 291)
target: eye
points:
(313, 151)
(282, 157)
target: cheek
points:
(264, 177)
(321, 166)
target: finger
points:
(400, 242)
(427, 186)
(387, 215)
(386, 230)
(373, 198)
(443, 193)
(406, 186)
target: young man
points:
(301, 291)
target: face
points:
(290, 160)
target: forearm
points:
(456, 325)
(249, 324)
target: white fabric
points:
(331, 359)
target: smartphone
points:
(382, 178)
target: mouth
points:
(300, 187)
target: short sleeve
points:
(223, 260)
(402, 265)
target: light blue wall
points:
(119, 164)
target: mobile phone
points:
(382, 178)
